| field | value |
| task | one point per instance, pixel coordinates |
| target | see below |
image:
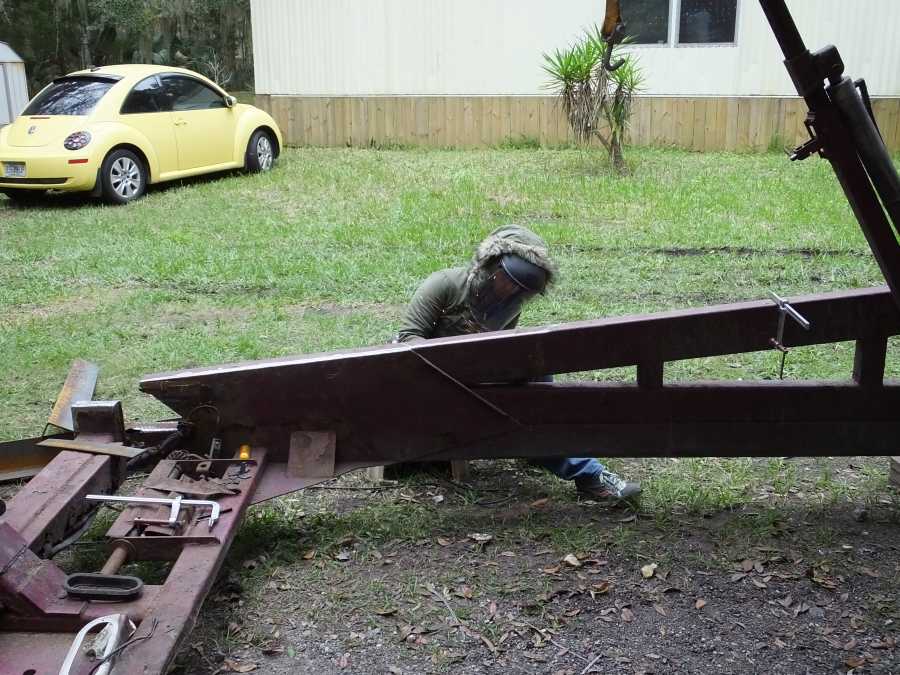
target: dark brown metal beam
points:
(396, 402)
(52, 503)
(23, 458)
(869, 359)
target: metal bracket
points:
(174, 504)
(785, 310)
(92, 419)
(812, 147)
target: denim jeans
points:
(569, 468)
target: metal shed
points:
(13, 85)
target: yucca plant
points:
(597, 102)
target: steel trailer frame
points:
(281, 425)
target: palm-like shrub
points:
(597, 102)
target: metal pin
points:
(784, 310)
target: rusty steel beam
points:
(724, 419)
(407, 402)
(33, 605)
(175, 607)
(79, 386)
(26, 457)
(93, 447)
(52, 504)
(23, 458)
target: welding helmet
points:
(500, 296)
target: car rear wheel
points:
(123, 177)
(260, 152)
(25, 197)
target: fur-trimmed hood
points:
(515, 239)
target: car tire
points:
(260, 156)
(25, 197)
(123, 177)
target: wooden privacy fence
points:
(709, 123)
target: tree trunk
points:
(616, 157)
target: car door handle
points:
(180, 123)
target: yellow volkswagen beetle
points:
(113, 130)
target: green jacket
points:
(440, 306)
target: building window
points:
(706, 21)
(647, 21)
(681, 22)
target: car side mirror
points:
(230, 101)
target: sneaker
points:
(606, 485)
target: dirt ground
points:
(511, 573)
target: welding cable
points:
(115, 652)
(468, 390)
(162, 450)
(12, 561)
(76, 534)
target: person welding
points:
(509, 268)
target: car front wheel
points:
(260, 152)
(123, 177)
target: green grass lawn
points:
(323, 253)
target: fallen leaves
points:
(572, 561)
(819, 575)
(463, 592)
(230, 666)
(648, 571)
(855, 662)
(480, 538)
(414, 635)
(869, 572)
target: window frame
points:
(215, 88)
(675, 30)
(104, 78)
(131, 91)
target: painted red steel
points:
(53, 501)
(428, 400)
(30, 586)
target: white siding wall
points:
(493, 47)
(13, 91)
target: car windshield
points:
(70, 96)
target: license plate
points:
(14, 169)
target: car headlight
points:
(77, 140)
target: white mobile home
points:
(13, 85)
(468, 72)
